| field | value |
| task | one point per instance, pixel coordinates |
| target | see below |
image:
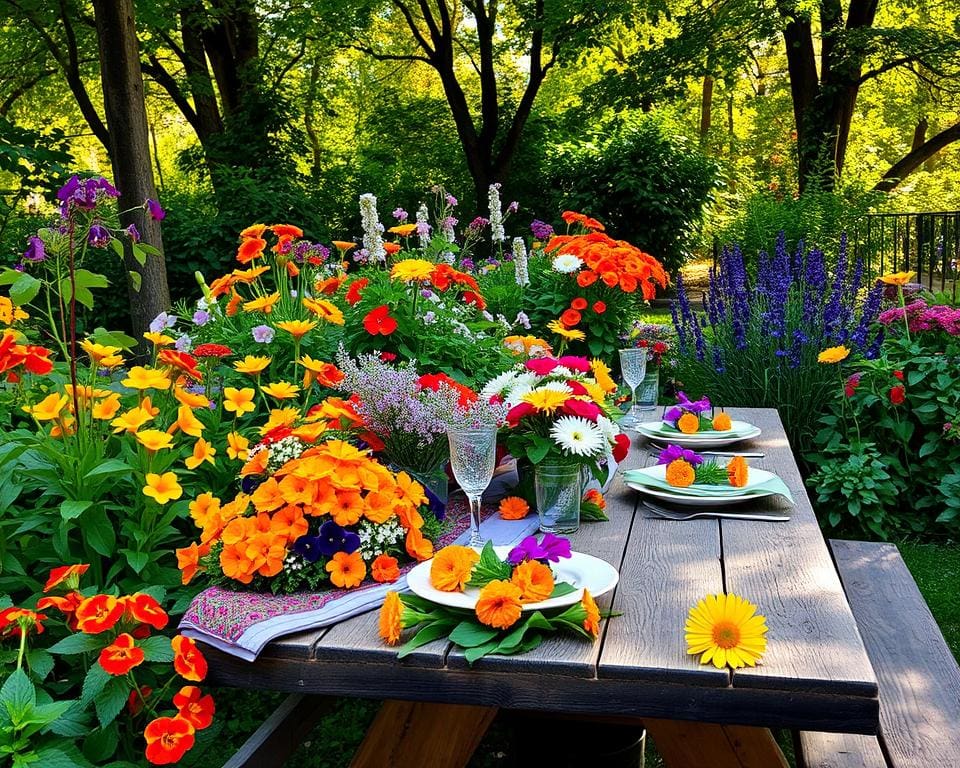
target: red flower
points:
(898, 394)
(121, 656)
(660, 347)
(98, 614)
(14, 620)
(354, 291)
(576, 388)
(391, 248)
(433, 380)
(541, 365)
(67, 605)
(599, 307)
(898, 375)
(388, 357)
(181, 361)
(168, 739)
(384, 569)
(136, 698)
(518, 412)
(379, 321)
(850, 387)
(472, 297)
(621, 447)
(578, 303)
(286, 230)
(586, 277)
(251, 249)
(212, 350)
(570, 317)
(144, 609)
(583, 408)
(64, 573)
(575, 363)
(187, 659)
(195, 709)
(37, 360)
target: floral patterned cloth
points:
(242, 623)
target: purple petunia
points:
(35, 250)
(675, 452)
(550, 548)
(133, 233)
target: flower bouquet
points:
(314, 511)
(496, 624)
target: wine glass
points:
(473, 454)
(633, 367)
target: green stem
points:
(23, 646)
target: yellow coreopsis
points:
(143, 378)
(252, 364)
(281, 390)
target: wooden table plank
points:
(786, 569)
(668, 567)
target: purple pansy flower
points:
(308, 547)
(676, 452)
(156, 212)
(332, 538)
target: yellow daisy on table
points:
(297, 328)
(571, 334)
(546, 400)
(251, 364)
(898, 278)
(281, 390)
(409, 270)
(833, 355)
(263, 304)
(726, 630)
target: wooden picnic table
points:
(815, 675)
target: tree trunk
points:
(308, 124)
(706, 104)
(130, 152)
(916, 157)
(804, 82)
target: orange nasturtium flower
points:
(346, 571)
(130, 421)
(513, 508)
(187, 659)
(452, 567)
(238, 401)
(121, 656)
(142, 378)
(154, 439)
(254, 230)
(49, 408)
(106, 409)
(68, 575)
(499, 605)
(141, 608)
(187, 422)
(162, 488)
(168, 739)
(188, 561)
(192, 706)
(251, 364)
(98, 614)
(534, 579)
(385, 569)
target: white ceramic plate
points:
(581, 570)
(739, 430)
(750, 491)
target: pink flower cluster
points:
(921, 317)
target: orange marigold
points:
(513, 508)
(534, 579)
(384, 569)
(737, 471)
(592, 623)
(722, 422)
(346, 571)
(451, 568)
(680, 473)
(499, 605)
(688, 423)
(391, 614)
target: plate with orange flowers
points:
(581, 570)
(653, 482)
(739, 430)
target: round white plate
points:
(581, 570)
(739, 430)
(755, 478)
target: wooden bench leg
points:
(684, 744)
(281, 733)
(408, 734)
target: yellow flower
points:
(154, 439)
(833, 355)
(898, 278)
(571, 334)
(325, 310)
(282, 390)
(202, 451)
(280, 417)
(263, 304)
(131, 421)
(159, 339)
(727, 630)
(101, 354)
(49, 408)
(237, 446)
(162, 488)
(10, 313)
(297, 328)
(601, 372)
(107, 408)
(238, 401)
(404, 230)
(187, 422)
(190, 399)
(146, 378)
(252, 364)
(595, 391)
(546, 400)
(409, 270)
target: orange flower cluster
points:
(614, 263)
(738, 471)
(13, 355)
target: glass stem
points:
(475, 539)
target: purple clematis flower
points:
(551, 548)
(675, 452)
(35, 250)
(332, 539)
(156, 212)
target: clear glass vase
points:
(649, 390)
(558, 487)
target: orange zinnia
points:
(592, 622)
(680, 473)
(121, 656)
(688, 423)
(346, 571)
(738, 471)
(187, 659)
(254, 230)
(452, 567)
(722, 422)
(391, 616)
(168, 739)
(498, 605)
(513, 508)
(384, 569)
(534, 579)
(250, 249)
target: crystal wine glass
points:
(633, 367)
(473, 454)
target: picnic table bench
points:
(816, 676)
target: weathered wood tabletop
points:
(815, 674)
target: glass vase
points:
(558, 488)
(649, 390)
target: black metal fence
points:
(925, 243)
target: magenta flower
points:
(542, 366)
(575, 363)
(582, 408)
(676, 452)
(98, 236)
(551, 548)
(156, 212)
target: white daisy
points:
(578, 436)
(608, 428)
(496, 385)
(556, 386)
(567, 263)
(521, 386)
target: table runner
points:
(242, 623)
